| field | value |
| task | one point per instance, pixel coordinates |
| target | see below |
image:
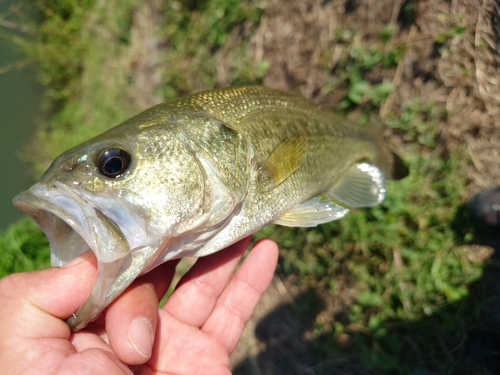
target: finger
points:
(86, 339)
(65, 288)
(53, 292)
(131, 319)
(131, 322)
(183, 349)
(33, 331)
(237, 302)
(198, 291)
(93, 361)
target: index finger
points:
(198, 291)
(237, 303)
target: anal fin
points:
(363, 185)
(311, 213)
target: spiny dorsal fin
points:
(285, 159)
(311, 213)
(362, 185)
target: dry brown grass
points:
(460, 76)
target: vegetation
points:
(404, 267)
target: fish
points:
(193, 175)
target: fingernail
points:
(140, 335)
(79, 259)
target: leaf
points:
(357, 91)
(379, 92)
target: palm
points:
(196, 330)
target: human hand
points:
(194, 332)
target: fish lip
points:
(49, 216)
(63, 216)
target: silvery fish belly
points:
(193, 175)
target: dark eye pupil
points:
(113, 165)
(113, 162)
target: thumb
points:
(55, 291)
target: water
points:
(19, 103)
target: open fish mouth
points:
(73, 226)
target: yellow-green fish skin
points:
(205, 171)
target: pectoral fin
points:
(311, 213)
(285, 159)
(363, 185)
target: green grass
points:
(23, 247)
(84, 53)
(414, 223)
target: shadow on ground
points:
(286, 347)
(457, 338)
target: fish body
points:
(193, 175)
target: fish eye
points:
(113, 162)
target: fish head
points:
(125, 195)
(117, 194)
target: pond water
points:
(19, 110)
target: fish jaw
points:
(113, 278)
(74, 226)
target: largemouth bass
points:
(191, 176)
